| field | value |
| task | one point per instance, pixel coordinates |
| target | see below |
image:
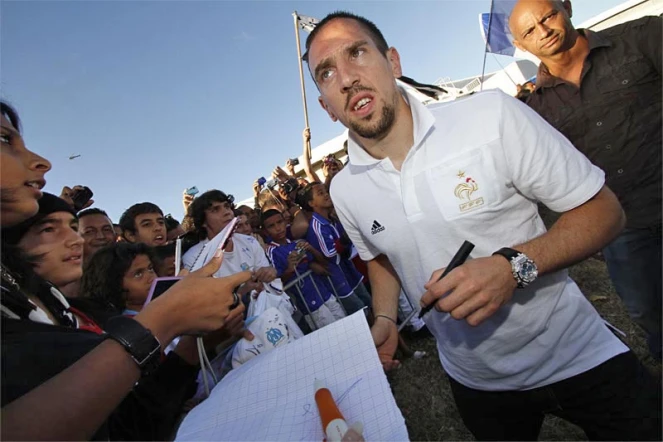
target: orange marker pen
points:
(333, 422)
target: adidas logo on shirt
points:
(377, 228)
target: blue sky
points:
(158, 96)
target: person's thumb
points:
(354, 433)
(358, 427)
(246, 334)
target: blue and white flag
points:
(495, 27)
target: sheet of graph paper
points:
(271, 397)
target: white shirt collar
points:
(422, 120)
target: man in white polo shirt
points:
(419, 182)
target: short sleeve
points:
(324, 237)
(543, 164)
(276, 257)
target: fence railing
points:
(295, 283)
(406, 309)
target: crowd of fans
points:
(72, 266)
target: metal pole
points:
(485, 50)
(295, 283)
(317, 289)
(301, 67)
(310, 314)
(504, 70)
(301, 79)
(410, 316)
(300, 278)
(296, 280)
(336, 295)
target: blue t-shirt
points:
(323, 234)
(278, 255)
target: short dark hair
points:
(92, 211)
(268, 214)
(10, 114)
(103, 274)
(305, 196)
(171, 223)
(164, 251)
(365, 23)
(128, 218)
(202, 203)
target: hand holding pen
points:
(472, 291)
(459, 258)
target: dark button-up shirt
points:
(614, 117)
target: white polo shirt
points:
(476, 170)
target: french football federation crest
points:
(464, 192)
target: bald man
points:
(602, 90)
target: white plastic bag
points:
(270, 330)
(274, 297)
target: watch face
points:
(528, 271)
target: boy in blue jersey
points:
(324, 234)
(291, 259)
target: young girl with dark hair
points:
(120, 275)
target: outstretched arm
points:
(74, 404)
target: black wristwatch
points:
(137, 340)
(524, 270)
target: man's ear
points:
(569, 8)
(395, 59)
(333, 117)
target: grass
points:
(423, 394)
